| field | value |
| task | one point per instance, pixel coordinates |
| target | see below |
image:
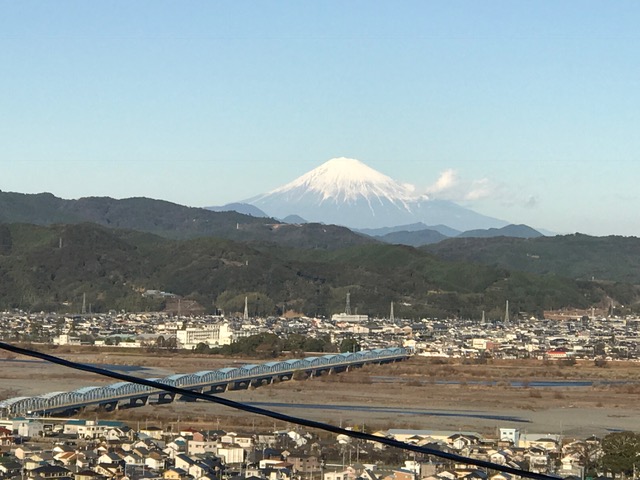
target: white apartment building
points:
(214, 335)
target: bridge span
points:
(128, 394)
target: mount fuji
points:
(345, 191)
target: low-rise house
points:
(342, 474)
(458, 441)
(120, 433)
(39, 459)
(305, 464)
(111, 458)
(501, 476)
(9, 467)
(231, 454)
(86, 459)
(183, 462)
(152, 432)
(92, 428)
(177, 445)
(30, 428)
(195, 447)
(155, 460)
(246, 441)
(400, 474)
(175, 473)
(109, 470)
(133, 459)
(88, 475)
(66, 458)
(50, 472)
(6, 437)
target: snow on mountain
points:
(346, 180)
(345, 191)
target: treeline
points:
(269, 345)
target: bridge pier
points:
(218, 388)
(136, 402)
(258, 382)
(240, 385)
(108, 406)
(165, 397)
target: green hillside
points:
(51, 267)
(169, 220)
(582, 257)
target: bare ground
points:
(412, 394)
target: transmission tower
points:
(347, 307)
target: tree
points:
(171, 343)
(349, 344)
(589, 453)
(202, 348)
(620, 452)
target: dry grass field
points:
(419, 393)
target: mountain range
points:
(52, 267)
(170, 220)
(345, 191)
(52, 250)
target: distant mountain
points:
(445, 230)
(517, 231)
(345, 191)
(243, 208)
(170, 220)
(294, 219)
(413, 239)
(413, 227)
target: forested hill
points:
(169, 220)
(51, 267)
(578, 256)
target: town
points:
(562, 335)
(93, 448)
(48, 448)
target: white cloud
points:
(480, 189)
(447, 182)
(451, 186)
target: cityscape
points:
(364, 240)
(50, 446)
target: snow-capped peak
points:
(345, 191)
(347, 179)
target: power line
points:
(275, 415)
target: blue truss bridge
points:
(128, 395)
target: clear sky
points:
(527, 111)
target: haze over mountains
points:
(345, 191)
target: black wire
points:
(275, 415)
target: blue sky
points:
(527, 111)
